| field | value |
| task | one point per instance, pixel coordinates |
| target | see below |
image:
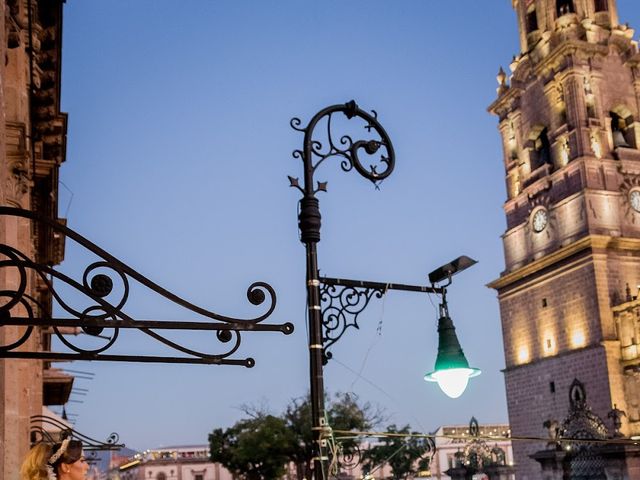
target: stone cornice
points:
(511, 94)
(567, 48)
(589, 242)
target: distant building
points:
(189, 462)
(454, 439)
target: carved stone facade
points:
(32, 147)
(569, 120)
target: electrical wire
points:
(374, 341)
(607, 441)
(66, 212)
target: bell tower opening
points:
(532, 19)
(564, 7)
(541, 152)
(602, 5)
(621, 131)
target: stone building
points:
(455, 443)
(32, 147)
(188, 462)
(568, 116)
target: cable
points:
(374, 341)
(607, 441)
(66, 213)
(380, 389)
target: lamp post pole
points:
(312, 154)
(345, 299)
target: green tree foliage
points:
(405, 455)
(343, 413)
(259, 447)
(253, 449)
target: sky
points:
(178, 152)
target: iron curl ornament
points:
(343, 147)
(106, 286)
(44, 428)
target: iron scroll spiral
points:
(344, 146)
(105, 285)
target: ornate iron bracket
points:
(343, 300)
(104, 289)
(40, 433)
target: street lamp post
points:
(359, 292)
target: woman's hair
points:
(35, 464)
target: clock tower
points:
(569, 117)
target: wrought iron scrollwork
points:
(48, 429)
(343, 300)
(344, 146)
(351, 153)
(341, 306)
(106, 286)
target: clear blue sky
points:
(178, 154)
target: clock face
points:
(634, 200)
(540, 220)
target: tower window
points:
(541, 153)
(532, 20)
(619, 130)
(602, 5)
(552, 387)
(564, 7)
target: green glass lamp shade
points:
(452, 371)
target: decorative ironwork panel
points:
(105, 286)
(341, 306)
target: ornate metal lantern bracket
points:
(104, 291)
(343, 300)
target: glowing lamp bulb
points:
(453, 381)
(452, 371)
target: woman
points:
(62, 461)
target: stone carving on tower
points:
(570, 125)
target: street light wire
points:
(66, 212)
(347, 434)
(374, 341)
(380, 389)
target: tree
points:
(405, 455)
(343, 413)
(253, 449)
(261, 446)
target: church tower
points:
(569, 117)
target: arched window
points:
(541, 152)
(602, 5)
(161, 476)
(531, 19)
(620, 122)
(564, 7)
